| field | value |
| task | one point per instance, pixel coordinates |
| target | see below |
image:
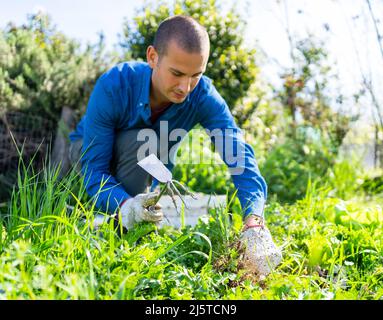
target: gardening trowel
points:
(157, 169)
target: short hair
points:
(187, 32)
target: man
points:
(170, 89)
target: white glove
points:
(141, 208)
(261, 254)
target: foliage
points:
(373, 185)
(332, 250)
(42, 70)
(231, 66)
(290, 165)
(199, 167)
(346, 178)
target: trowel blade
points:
(156, 168)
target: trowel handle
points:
(161, 194)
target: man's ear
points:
(152, 56)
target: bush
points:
(289, 167)
(41, 70)
(345, 178)
(373, 185)
(200, 168)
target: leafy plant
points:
(289, 167)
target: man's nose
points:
(185, 85)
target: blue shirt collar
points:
(145, 88)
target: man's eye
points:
(180, 75)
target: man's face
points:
(177, 73)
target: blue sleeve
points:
(98, 141)
(216, 117)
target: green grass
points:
(332, 249)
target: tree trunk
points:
(376, 145)
(60, 152)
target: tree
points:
(305, 94)
(41, 70)
(367, 82)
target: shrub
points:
(290, 165)
(42, 70)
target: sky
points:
(350, 36)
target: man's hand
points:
(142, 207)
(261, 254)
